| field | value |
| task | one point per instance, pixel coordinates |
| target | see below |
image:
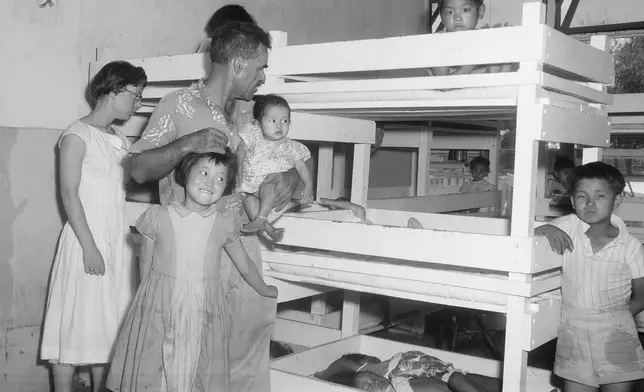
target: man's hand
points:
(204, 139)
(285, 184)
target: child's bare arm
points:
(637, 299)
(240, 155)
(559, 240)
(248, 270)
(439, 71)
(145, 260)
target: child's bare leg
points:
(619, 387)
(99, 373)
(357, 210)
(459, 382)
(63, 377)
(571, 386)
(257, 210)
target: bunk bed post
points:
(325, 170)
(425, 138)
(494, 158)
(339, 171)
(528, 129)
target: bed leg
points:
(350, 314)
(325, 171)
(515, 360)
(319, 305)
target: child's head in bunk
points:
(228, 13)
(273, 115)
(479, 168)
(366, 381)
(206, 177)
(119, 85)
(461, 15)
(561, 171)
(597, 191)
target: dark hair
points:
(358, 358)
(114, 77)
(343, 378)
(479, 161)
(227, 159)
(477, 2)
(600, 171)
(228, 13)
(237, 39)
(263, 102)
(562, 162)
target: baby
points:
(411, 371)
(479, 169)
(265, 149)
(464, 15)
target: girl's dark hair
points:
(228, 13)
(601, 171)
(562, 162)
(227, 159)
(479, 161)
(263, 102)
(478, 3)
(114, 77)
(343, 378)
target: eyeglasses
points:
(138, 96)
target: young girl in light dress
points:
(174, 337)
(265, 149)
(92, 279)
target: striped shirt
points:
(602, 280)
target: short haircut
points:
(563, 162)
(228, 13)
(264, 102)
(600, 171)
(228, 159)
(477, 3)
(114, 77)
(479, 161)
(237, 39)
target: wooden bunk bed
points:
(339, 90)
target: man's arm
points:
(157, 163)
(285, 185)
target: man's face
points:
(251, 75)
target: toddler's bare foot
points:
(254, 226)
(413, 223)
(276, 234)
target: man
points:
(199, 117)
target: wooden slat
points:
(569, 126)
(577, 58)
(627, 103)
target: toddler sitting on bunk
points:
(411, 371)
(464, 15)
(602, 286)
(265, 149)
(479, 169)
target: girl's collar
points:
(183, 211)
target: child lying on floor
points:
(411, 371)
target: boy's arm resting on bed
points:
(636, 266)
(556, 233)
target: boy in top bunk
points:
(479, 169)
(602, 286)
(464, 15)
